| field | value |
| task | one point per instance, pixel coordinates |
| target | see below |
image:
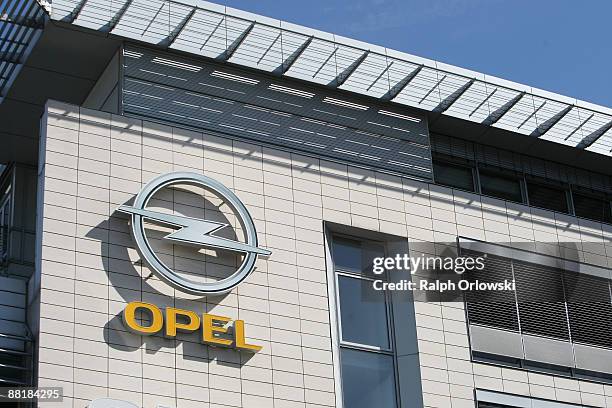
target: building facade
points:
(341, 152)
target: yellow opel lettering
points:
(210, 326)
(129, 318)
(171, 321)
(215, 329)
(240, 340)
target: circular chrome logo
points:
(194, 232)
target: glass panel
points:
(355, 256)
(453, 175)
(591, 207)
(506, 188)
(347, 254)
(363, 313)
(547, 197)
(368, 379)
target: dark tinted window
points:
(347, 254)
(592, 207)
(367, 379)
(549, 197)
(453, 175)
(500, 186)
(355, 256)
(363, 313)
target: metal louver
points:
(541, 300)
(21, 24)
(161, 86)
(564, 317)
(288, 50)
(589, 308)
(492, 308)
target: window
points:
(453, 175)
(592, 205)
(548, 197)
(500, 185)
(367, 355)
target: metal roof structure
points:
(21, 24)
(288, 50)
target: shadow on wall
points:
(133, 281)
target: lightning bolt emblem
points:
(194, 231)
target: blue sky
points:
(563, 46)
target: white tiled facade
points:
(92, 162)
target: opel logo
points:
(194, 232)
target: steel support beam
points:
(344, 75)
(290, 60)
(74, 14)
(179, 29)
(234, 46)
(399, 87)
(592, 138)
(452, 98)
(547, 125)
(497, 115)
(117, 17)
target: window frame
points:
(454, 162)
(502, 173)
(391, 351)
(590, 193)
(571, 267)
(564, 187)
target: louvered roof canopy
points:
(288, 50)
(21, 23)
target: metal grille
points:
(206, 96)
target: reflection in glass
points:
(367, 379)
(363, 313)
(452, 175)
(355, 256)
(499, 186)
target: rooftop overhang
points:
(21, 24)
(287, 50)
(82, 35)
(64, 64)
